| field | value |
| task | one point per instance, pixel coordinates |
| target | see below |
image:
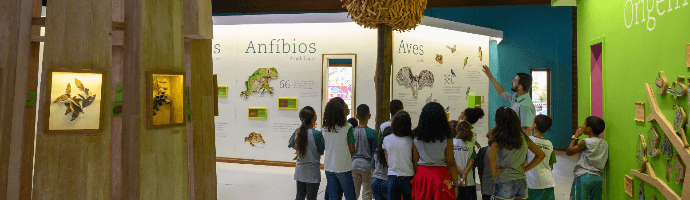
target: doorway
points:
(339, 75)
(597, 81)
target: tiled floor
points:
(238, 181)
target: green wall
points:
(632, 57)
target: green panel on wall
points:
(636, 48)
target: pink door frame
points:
(597, 81)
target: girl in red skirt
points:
(433, 156)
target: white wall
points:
(426, 42)
(234, 62)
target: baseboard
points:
(257, 162)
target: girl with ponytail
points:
(309, 146)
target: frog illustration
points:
(254, 138)
(259, 81)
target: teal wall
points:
(632, 57)
(534, 37)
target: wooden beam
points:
(198, 23)
(41, 22)
(202, 94)
(655, 181)
(272, 6)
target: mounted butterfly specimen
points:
(76, 104)
(161, 96)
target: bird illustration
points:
(452, 50)
(439, 59)
(406, 78)
(429, 99)
(467, 93)
(448, 109)
(452, 72)
(466, 58)
(480, 54)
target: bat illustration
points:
(480, 54)
(452, 50)
(439, 59)
(465, 62)
(406, 78)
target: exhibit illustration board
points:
(75, 101)
(272, 71)
(440, 65)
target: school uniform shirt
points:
(307, 167)
(593, 158)
(384, 126)
(488, 183)
(365, 145)
(522, 106)
(380, 170)
(337, 157)
(541, 176)
(431, 153)
(399, 150)
(463, 152)
(512, 161)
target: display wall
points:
(632, 56)
(295, 64)
(290, 57)
(448, 67)
(534, 37)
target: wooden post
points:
(382, 79)
(202, 94)
(15, 46)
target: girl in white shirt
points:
(340, 145)
(398, 151)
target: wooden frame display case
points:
(165, 106)
(74, 102)
(288, 103)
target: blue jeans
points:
(339, 184)
(380, 189)
(400, 185)
(511, 189)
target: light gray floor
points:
(238, 181)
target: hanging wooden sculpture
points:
(641, 153)
(678, 122)
(653, 142)
(661, 83)
(678, 169)
(666, 148)
(678, 88)
(399, 15)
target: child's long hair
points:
(464, 131)
(306, 115)
(507, 132)
(402, 124)
(334, 115)
(433, 124)
(380, 154)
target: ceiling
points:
(272, 6)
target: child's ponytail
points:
(306, 115)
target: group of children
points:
(436, 159)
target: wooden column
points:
(202, 102)
(75, 165)
(382, 79)
(15, 46)
(154, 161)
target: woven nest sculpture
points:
(400, 15)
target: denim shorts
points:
(511, 189)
